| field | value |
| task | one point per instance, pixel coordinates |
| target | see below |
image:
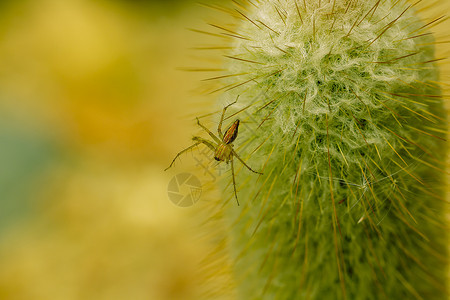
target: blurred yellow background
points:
(92, 109)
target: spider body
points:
(224, 151)
(222, 146)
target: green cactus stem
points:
(341, 109)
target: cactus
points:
(342, 110)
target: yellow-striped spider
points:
(222, 147)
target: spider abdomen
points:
(231, 133)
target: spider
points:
(222, 147)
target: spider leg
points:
(219, 128)
(181, 152)
(205, 142)
(198, 141)
(234, 181)
(214, 137)
(240, 159)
